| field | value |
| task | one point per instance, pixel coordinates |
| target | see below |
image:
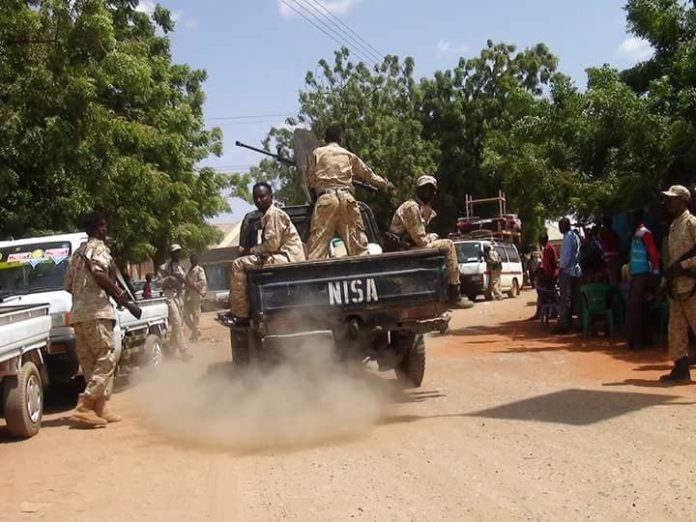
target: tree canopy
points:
(509, 119)
(94, 114)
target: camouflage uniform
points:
(494, 267)
(330, 174)
(280, 244)
(409, 223)
(173, 295)
(682, 305)
(196, 288)
(92, 317)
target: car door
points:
(514, 266)
(505, 279)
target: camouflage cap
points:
(426, 180)
(678, 191)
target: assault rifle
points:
(129, 304)
(670, 275)
(293, 163)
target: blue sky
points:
(257, 52)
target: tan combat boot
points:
(84, 412)
(101, 410)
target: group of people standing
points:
(651, 273)
(184, 291)
(330, 173)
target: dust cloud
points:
(310, 398)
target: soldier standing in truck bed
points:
(330, 173)
(409, 225)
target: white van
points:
(473, 273)
(32, 271)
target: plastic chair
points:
(595, 301)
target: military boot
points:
(680, 373)
(101, 409)
(84, 412)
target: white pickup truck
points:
(24, 332)
(32, 271)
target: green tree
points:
(94, 114)
(585, 153)
(377, 109)
(463, 106)
(668, 79)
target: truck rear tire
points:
(412, 369)
(153, 351)
(239, 340)
(23, 401)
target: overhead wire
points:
(304, 13)
(249, 117)
(365, 44)
(323, 13)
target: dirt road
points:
(510, 423)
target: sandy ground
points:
(510, 423)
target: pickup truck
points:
(33, 270)
(374, 307)
(24, 332)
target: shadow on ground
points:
(570, 407)
(532, 337)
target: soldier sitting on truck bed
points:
(330, 173)
(409, 223)
(280, 244)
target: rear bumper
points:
(422, 326)
(473, 284)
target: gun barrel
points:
(265, 153)
(134, 309)
(365, 186)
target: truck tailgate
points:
(155, 311)
(399, 279)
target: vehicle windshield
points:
(28, 269)
(468, 252)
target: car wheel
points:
(154, 351)
(514, 289)
(23, 401)
(411, 370)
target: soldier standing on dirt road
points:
(409, 225)
(494, 267)
(330, 173)
(196, 288)
(681, 288)
(280, 243)
(93, 317)
(172, 281)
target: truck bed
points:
(154, 312)
(344, 285)
(22, 328)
